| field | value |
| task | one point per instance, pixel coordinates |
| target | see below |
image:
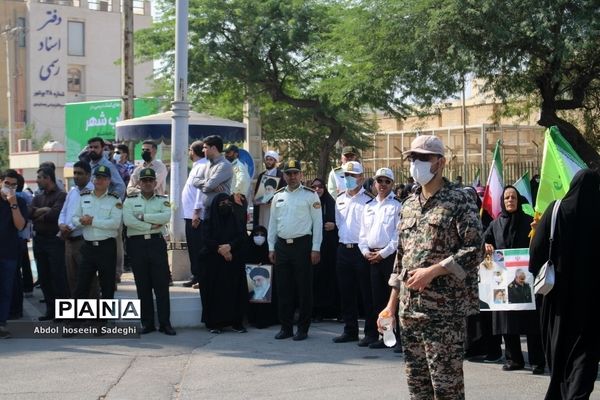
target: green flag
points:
(524, 188)
(559, 164)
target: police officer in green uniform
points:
(294, 236)
(144, 214)
(99, 214)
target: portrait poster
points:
(259, 282)
(505, 283)
(266, 189)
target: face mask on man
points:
(259, 240)
(117, 157)
(351, 182)
(146, 156)
(421, 171)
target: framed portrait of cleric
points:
(259, 282)
(505, 283)
(266, 189)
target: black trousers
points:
(535, 351)
(151, 272)
(193, 237)
(293, 279)
(49, 253)
(380, 275)
(354, 278)
(25, 265)
(100, 258)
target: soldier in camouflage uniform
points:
(435, 275)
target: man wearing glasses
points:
(13, 214)
(379, 239)
(435, 275)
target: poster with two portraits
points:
(505, 283)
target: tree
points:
(424, 48)
(275, 48)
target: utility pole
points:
(9, 34)
(127, 63)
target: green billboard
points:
(97, 118)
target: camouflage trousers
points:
(433, 351)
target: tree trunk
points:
(335, 134)
(587, 153)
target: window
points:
(74, 79)
(21, 33)
(76, 38)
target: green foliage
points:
(275, 47)
(3, 153)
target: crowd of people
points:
(345, 248)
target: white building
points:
(62, 51)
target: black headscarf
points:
(222, 228)
(327, 202)
(258, 254)
(515, 232)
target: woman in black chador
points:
(510, 230)
(569, 312)
(224, 288)
(325, 287)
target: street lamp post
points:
(9, 33)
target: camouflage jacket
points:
(445, 229)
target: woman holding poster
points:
(510, 231)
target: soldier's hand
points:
(420, 278)
(195, 221)
(315, 257)
(65, 230)
(86, 220)
(272, 257)
(376, 258)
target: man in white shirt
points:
(192, 205)
(353, 271)
(73, 236)
(378, 239)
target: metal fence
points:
(470, 172)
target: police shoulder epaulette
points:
(337, 168)
(370, 200)
(371, 195)
(162, 196)
(85, 192)
(309, 189)
(341, 193)
(132, 195)
(397, 198)
(281, 190)
(114, 194)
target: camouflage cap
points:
(102, 170)
(292, 165)
(426, 144)
(349, 150)
(147, 173)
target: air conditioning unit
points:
(23, 145)
(103, 5)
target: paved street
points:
(198, 365)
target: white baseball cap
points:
(384, 172)
(353, 167)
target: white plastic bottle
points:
(386, 321)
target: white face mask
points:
(421, 171)
(259, 240)
(117, 157)
(6, 190)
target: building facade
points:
(62, 51)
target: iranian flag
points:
(517, 258)
(495, 185)
(559, 165)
